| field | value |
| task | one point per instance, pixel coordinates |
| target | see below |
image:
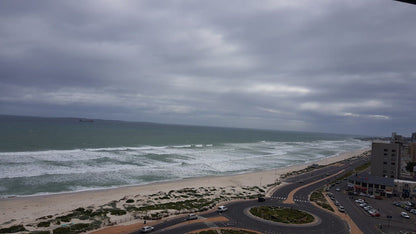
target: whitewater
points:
(58, 171)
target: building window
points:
(376, 186)
(383, 187)
(393, 163)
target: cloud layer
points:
(330, 66)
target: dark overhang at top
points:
(407, 1)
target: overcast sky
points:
(323, 65)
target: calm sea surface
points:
(54, 155)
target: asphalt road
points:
(370, 224)
(239, 217)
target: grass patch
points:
(282, 215)
(319, 198)
(189, 204)
(363, 167)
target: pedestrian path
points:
(295, 200)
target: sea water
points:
(56, 155)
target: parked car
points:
(362, 205)
(407, 208)
(397, 203)
(359, 201)
(404, 215)
(337, 189)
(408, 203)
(222, 208)
(413, 211)
(147, 229)
(191, 217)
(374, 213)
(341, 209)
(261, 199)
(368, 208)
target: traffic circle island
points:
(285, 216)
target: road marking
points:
(289, 200)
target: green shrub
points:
(13, 229)
(77, 228)
(62, 230)
(44, 224)
(117, 212)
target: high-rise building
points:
(385, 159)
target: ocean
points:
(58, 155)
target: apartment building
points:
(385, 159)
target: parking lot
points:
(372, 214)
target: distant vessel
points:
(86, 120)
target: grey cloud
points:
(322, 66)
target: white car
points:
(191, 217)
(222, 208)
(147, 229)
(413, 211)
(341, 209)
(404, 215)
(368, 208)
(359, 201)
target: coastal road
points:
(239, 216)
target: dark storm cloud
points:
(293, 65)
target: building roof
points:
(367, 178)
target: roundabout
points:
(286, 210)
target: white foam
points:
(135, 165)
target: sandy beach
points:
(28, 210)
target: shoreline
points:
(27, 209)
(323, 161)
